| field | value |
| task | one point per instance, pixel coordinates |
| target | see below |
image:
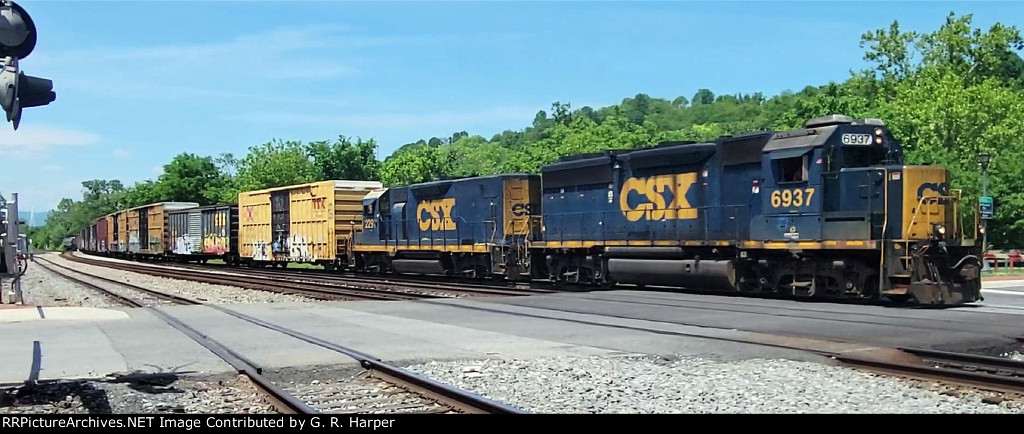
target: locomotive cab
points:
(839, 196)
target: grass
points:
(291, 265)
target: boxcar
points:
(472, 227)
(91, 234)
(204, 233)
(113, 244)
(311, 223)
(102, 232)
(147, 227)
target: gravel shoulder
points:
(138, 395)
(646, 384)
(46, 288)
(218, 294)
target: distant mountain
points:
(38, 218)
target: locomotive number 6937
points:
(797, 197)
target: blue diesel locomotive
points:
(827, 211)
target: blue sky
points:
(139, 82)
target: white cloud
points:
(248, 66)
(46, 195)
(37, 140)
(53, 168)
(121, 153)
(159, 170)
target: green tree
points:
(275, 164)
(940, 120)
(191, 178)
(417, 165)
(703, 96)
(345, 159)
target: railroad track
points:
(422, 283)
(143, 297)
(981, 372)
(263, 283)
(382, 388)
(281, 400)
(317, 285)
(994, 374)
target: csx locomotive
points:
(826, 211)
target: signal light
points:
(17, 31)
(17, 40)
(18, 91)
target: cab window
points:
(791, 169)
(863, 156)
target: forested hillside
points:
(947, 95)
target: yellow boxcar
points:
(147, 227)
(120, 244)
(310, 222)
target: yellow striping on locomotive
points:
(920, 213)
(519, 195)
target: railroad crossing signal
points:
(986, 207)
(17, 39)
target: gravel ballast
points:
(150, 395)
(196, 290)
(647, 384)
(46, 288)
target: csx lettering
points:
(655, 206)
(436, 214)
(941, 189)
(796, 197)
(520, 209)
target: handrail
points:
(920, 203)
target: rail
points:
(282, 400)
(451, 396)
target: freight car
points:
(828, 211)
(310, 223)
(147, 231)
(204, 233)
(471, 227)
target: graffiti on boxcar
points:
(261, 250)
(299, 248)
(215, 243)
(182, 245)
